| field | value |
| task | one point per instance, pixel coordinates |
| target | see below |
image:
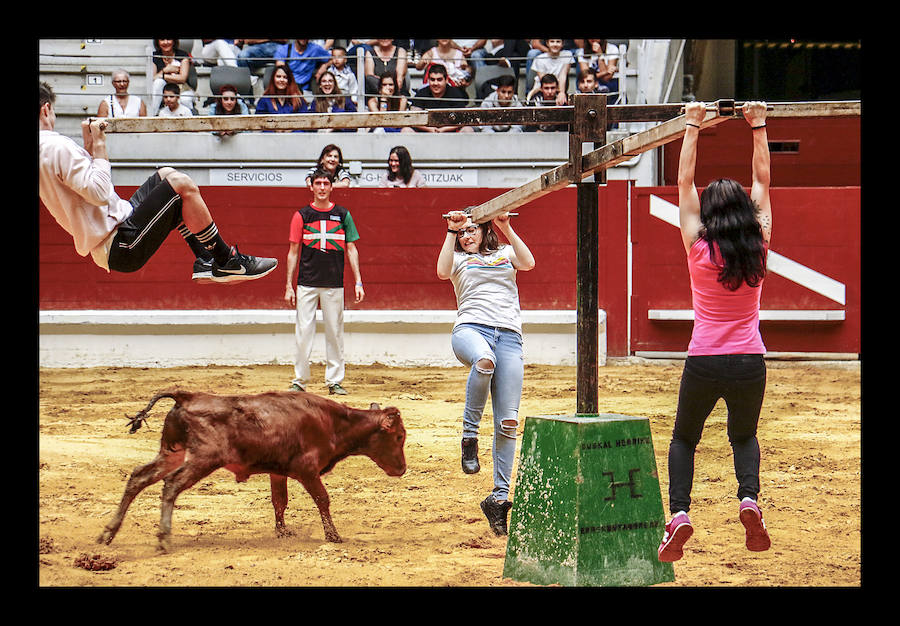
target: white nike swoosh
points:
(243, 270)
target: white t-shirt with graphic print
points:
(486, 290)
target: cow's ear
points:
(389, 419)
(374, 406)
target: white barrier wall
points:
(247, 337)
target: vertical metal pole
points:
(361, 78)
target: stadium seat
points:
(487, 76)
(222, 75)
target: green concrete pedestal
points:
(587, 508)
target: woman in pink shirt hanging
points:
(726, 236)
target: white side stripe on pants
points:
(155, 219)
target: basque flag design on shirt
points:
(324, 235)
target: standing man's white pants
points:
(331, 301)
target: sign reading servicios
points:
(296, 177)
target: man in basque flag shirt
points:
(321, 235)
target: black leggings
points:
(741, 380)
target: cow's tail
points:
(141, 416)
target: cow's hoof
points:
(282, 532)
(105, 537)
(334, 538)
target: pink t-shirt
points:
(725, 321)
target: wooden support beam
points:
(627, 148)
(471, 116)
(602, 158)
(292, 121)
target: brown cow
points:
(281, 433)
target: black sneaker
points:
(202, 271)
(495, 512)
(242, 267)
(470, 455)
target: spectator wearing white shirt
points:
(555, 61)
(172, 106)
(601, 57)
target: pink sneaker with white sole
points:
(757, 535)
(678, 531)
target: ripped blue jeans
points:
(496, 362)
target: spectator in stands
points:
(504, 96)
(487, 338)
(257, 53)
(459, 72)
(282, 95)
(121, 235)
(332, 161)
(481, 52)
(346, 78)
(547, 97)
(535, 47)
(353, 45)
(172, 106)
(726, 233)
(329, 99)
(219, 52)
(400, 171)
(415, 48)
(515, 51)
(228, 103)
(304, 58)
(387, 99)
(121, 104)
(385, 56)
(173, 65)
(602, 59)
(539, 46)
(555, 61)
(438, 94)
(587, 83)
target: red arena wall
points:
(401, 232)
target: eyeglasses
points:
(471, 230)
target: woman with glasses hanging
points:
(487, 337)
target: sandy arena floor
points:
(425, 528)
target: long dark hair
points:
(292, 91)
(406, 167)
(337, 97)
(219, 108)
(328, 149)
(730, 226)
(393, 102)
